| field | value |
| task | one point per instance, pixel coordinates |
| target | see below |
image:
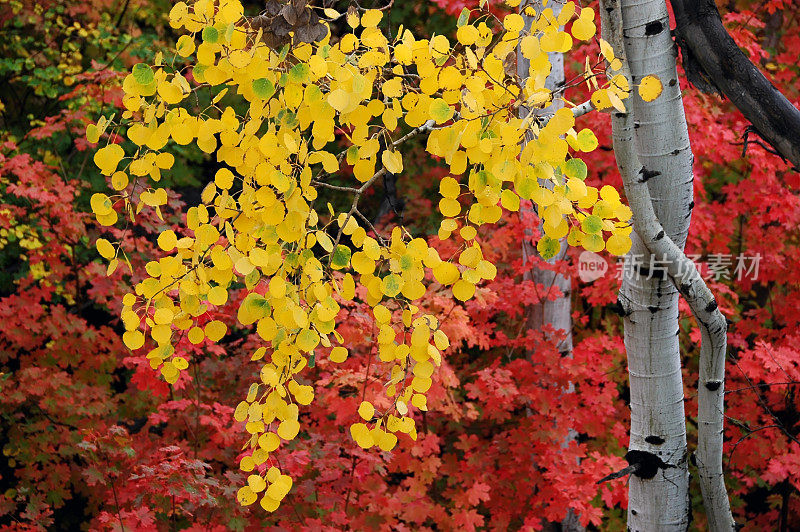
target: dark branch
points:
(713, 61)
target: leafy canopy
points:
(314, 110)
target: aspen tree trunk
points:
(648, 296)
(557, 313)
(651, 151)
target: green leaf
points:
(575, 168)
(525, 187)
(440, 110)
(548, 247)
(263, 88)
(463, 18)
(299, 73)
(352, 155)
(210, 34)
(340, 257)
(390, 285)
(143, 74)
(592, 224)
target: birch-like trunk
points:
(648, 297)
(555, 313)
(652, 505)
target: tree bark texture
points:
(659, 492)
(557, 313)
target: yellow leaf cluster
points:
(258, 226)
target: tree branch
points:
(712, 60)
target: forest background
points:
(92, 437)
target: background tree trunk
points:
(556, 314)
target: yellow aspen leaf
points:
(329, 161)
(366, 410)
(463, 290)
(170, 92)
(449, 207)
(339, 100)
(486, 270)
(196, 335)
(223, 178)
(440, 340)
(513, 23)
(307, 340)
(593, 242)
(352, 18)
(167, 240)
(164, 160)
(509, 200)
(420, 401)
(467, 35)
(215, 330)
(163, 316)
(610, 194)
(185, 46)
(446, 273)
(392, 88)
(269, 504)
(218, 296)
(529, 46)
(133, 339)
(288, 429)
(246, 496)
(587, 141)
(387, 441)
(263, 88)
(449, 188)
(601, 99)
(256, 483)
(391, 285)
(555, 41)
(105, 248)
(338, 354)
(362, 263)
(119, 180)
(440, 111)
(548, 247)
(393, 161)
(348, 291)
(108, 157)
(618, 245)
(304, 395)
(650, 88)
(269, 441)
(584, 29)
(361, 435)
(371, 18)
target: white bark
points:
(650, 300)
(556, 313)
(685, 277)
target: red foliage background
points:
(91, 437)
